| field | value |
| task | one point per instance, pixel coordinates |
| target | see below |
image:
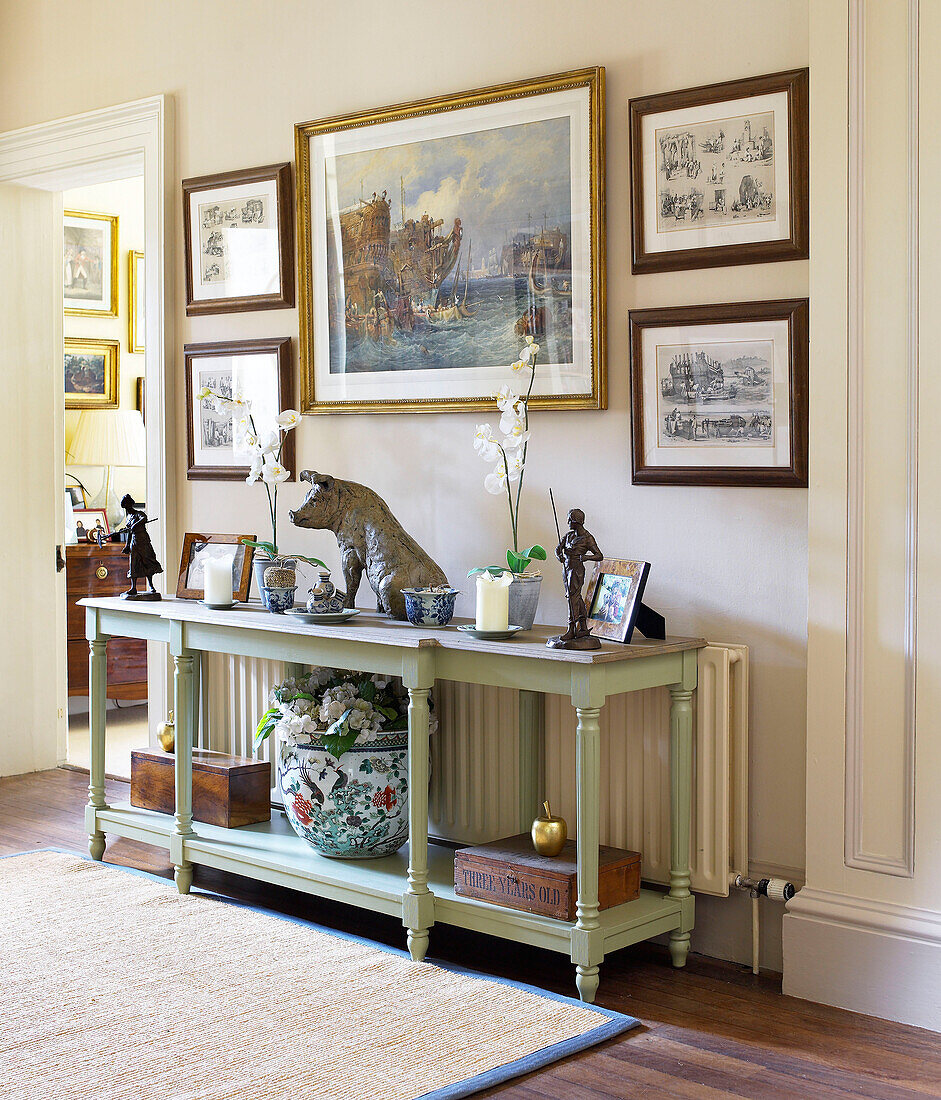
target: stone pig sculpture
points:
(370, 538)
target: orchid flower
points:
(288, 419)
(272, 472)
(484, 443)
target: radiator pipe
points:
(778, 889)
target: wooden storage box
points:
(227, 790)
(509, 872)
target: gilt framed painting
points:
(719, 174)
(90, 264)
(239, 236)
(434, 237)
(92, 372)
(136, 302)
(719, 394)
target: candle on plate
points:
(217, 580)
(493, 597)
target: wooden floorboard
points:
(712, 1030)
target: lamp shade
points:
(112, 437)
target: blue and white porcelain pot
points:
(354, 807)
(429, 606)
(324, 598)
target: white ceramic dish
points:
(490, 635)
(326, 618)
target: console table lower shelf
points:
(272, 852)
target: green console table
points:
(416, 884)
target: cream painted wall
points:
(727, 563)
(126, 199)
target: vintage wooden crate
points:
(227, 790)
(509, 872)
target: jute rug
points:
(115, 987)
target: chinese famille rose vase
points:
(354, 807)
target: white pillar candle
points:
(493, 596)
(217, 580)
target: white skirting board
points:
(871, 957)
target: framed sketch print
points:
(719, 394)
(135, 302)
(239, 235)
(614, 597)
(90, 264)
(259, 370)
(433, 237)
(198, 549)
(91, 373)
(719, 175)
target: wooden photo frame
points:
(614, 596)
(719, 394)
(424, 264)
(196, 546)
(720, 174)
(136, 302)
(262, 371)
(92, 373)
(90, 264)
(224, 272)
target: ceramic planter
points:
(524, 599)
(429, 606)
(352, 808)
(260, 564)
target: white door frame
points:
(109, 144)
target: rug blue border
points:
(615, 1023)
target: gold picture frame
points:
(580, 383)
(135, 303)
(92, 373)
(95, 274)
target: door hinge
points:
(60, 560)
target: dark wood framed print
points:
(260, 372)
(198, 548)
(90, 264)
(719, 394)
(92, 373)
(239, 234)
(433, 237)
(615, 593)
(719, 174)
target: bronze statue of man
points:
(576, 547)
(142, 561)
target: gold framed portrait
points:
(92, 372)
(90, 264)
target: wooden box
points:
(227, 790)
(509, 872)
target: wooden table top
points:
(376, 629)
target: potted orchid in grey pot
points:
(275, 573)
(508, 452)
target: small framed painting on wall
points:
(719, 394)
(91, 373)
(719, 174)
(257, 370)
(135, 302)
(90, 264)
(239, 236)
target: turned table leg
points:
(418, 902)
(184, 708)
(587, 937)
(681, 778)
(97, 707)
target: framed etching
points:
(198, 549)
(135, 302)
(719, 174)
(719, 394)
(92, 373)
(239, 236)
(259, 370)
(90, 264)
(615, 593)
(433, 237)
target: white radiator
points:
(475, 776)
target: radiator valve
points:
(777, 889)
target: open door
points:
(32, 592)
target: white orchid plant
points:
(265, 456)
(509, 456)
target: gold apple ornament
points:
(549, 833)
(166, 734)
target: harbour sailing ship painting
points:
(414, 219)
(437, 236)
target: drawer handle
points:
(101, 572)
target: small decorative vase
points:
(280, 599)
(352, 808)
(260, 566)
(430, 606)
(524, 599)
(324, 598)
